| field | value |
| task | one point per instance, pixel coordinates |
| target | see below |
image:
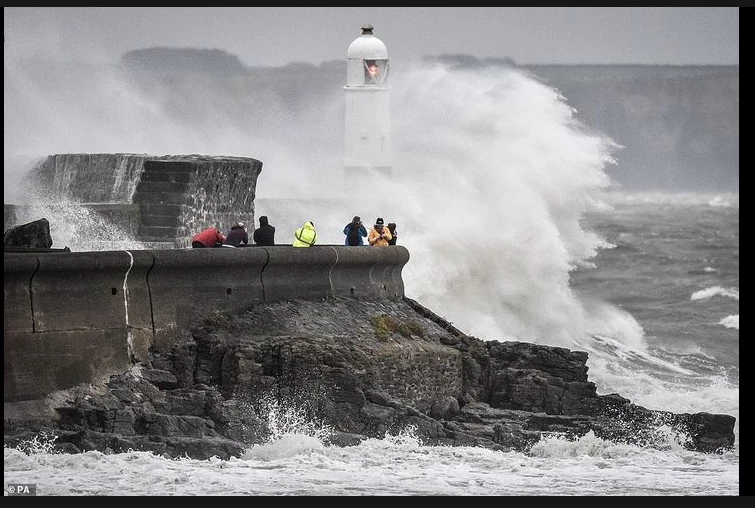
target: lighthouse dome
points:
(367, 66)
(367, 46)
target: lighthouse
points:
(367, 139)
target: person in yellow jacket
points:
(379, 235)
(306, 235)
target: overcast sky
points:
(274, 36)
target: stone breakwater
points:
(173, 196)
(79, 317)
(358, 368)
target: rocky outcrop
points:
(33, 236)
(358, 369)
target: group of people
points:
(378, 236)
(306, 236)
(238, 236)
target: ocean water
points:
(516, 232)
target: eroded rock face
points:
(360, 369)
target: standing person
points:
(379, 235)
(238, 236)
(306, 235)
(210, 237)
(354, 232)
(394, 235)
(265, 234)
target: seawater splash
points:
(78, 228)
(589, 445)
(496, 172)
(291, 427)
(44, 442)
(293, 430)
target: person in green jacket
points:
(306, 235)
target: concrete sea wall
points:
(80, 317)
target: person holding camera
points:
(394, 235)
(354, 232)
(379, 235)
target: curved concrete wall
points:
(301, 271)
(186, 284)
(382, 279)
(79, 317)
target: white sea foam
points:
(730, 322)
(706, 293)
(397, 465)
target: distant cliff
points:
(679, 125)
(162, 60)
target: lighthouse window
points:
(375, 72)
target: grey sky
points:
(273, 36)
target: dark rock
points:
(345, 439)
(332, 365)
(33, 235)
(163, 379)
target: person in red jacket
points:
(210, 237)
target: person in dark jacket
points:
(238, 236)
(265, 234)
(354, 232)
(394, 235)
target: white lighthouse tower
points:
(367, 140)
